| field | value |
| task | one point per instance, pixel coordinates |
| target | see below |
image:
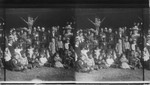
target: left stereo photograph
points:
(39, 44)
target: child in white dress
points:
(124, 62)
(58, 61)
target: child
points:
(91, 62)
(42, 60)
(15, 63)
(97, 54)
(119, 48)
(124, 62)
(82, 64)
(58, 61)
(109, 60)
(69, 59)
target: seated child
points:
(15, 63)
(97, 55)
(24, 61)
(58, 61)
(42, 60)
(109, 60)
(82, 64)
(69, 61)
(91, 62)
(134, 60)
(124, 62)
(34, 60)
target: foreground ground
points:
(55, 74)
(113, 74)
(43, 73)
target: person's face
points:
(108, 56)
(135, 31)
(119, 40)
(90, 56)
(43, 29)
(81, 34)
(126, 39)
(25, 33)
(53, 40)
(102, 30)
(21, 31)
(105, 29)
(89, 32)
(57, 55)
(34, 29)
(59, 37)
(92, 34)
(14, 32)
(68, 41)
(110, 30)
(149, 32)
(68, 30)
(134, 41)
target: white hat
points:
(135, 28)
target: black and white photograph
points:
(109, 44)
(75, 44)
(39, 44)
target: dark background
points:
(48, 17)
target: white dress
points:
(58, 63)
(97, 52)
(109, 62)
(43, 60)
(7, 55)
(146, 55)
(124, 63)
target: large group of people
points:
(70, 47)
(103, 48)
(34, 47)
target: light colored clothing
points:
(90, 62)
(30, 51)
(109, 62)
(97, 52)
(67, 46)
(24, 61)
(124, 63)
(58, 63)
(7, 55)
(42, 60)
(52, 47)
(119, 48)
(146, 54)
(84, 52)
(133, 47)
(60, 44)
(126, 45)
(18, 52)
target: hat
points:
(68, 27)
(134, 39)
(135, 28)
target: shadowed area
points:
(113, 74)
(43, 73)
